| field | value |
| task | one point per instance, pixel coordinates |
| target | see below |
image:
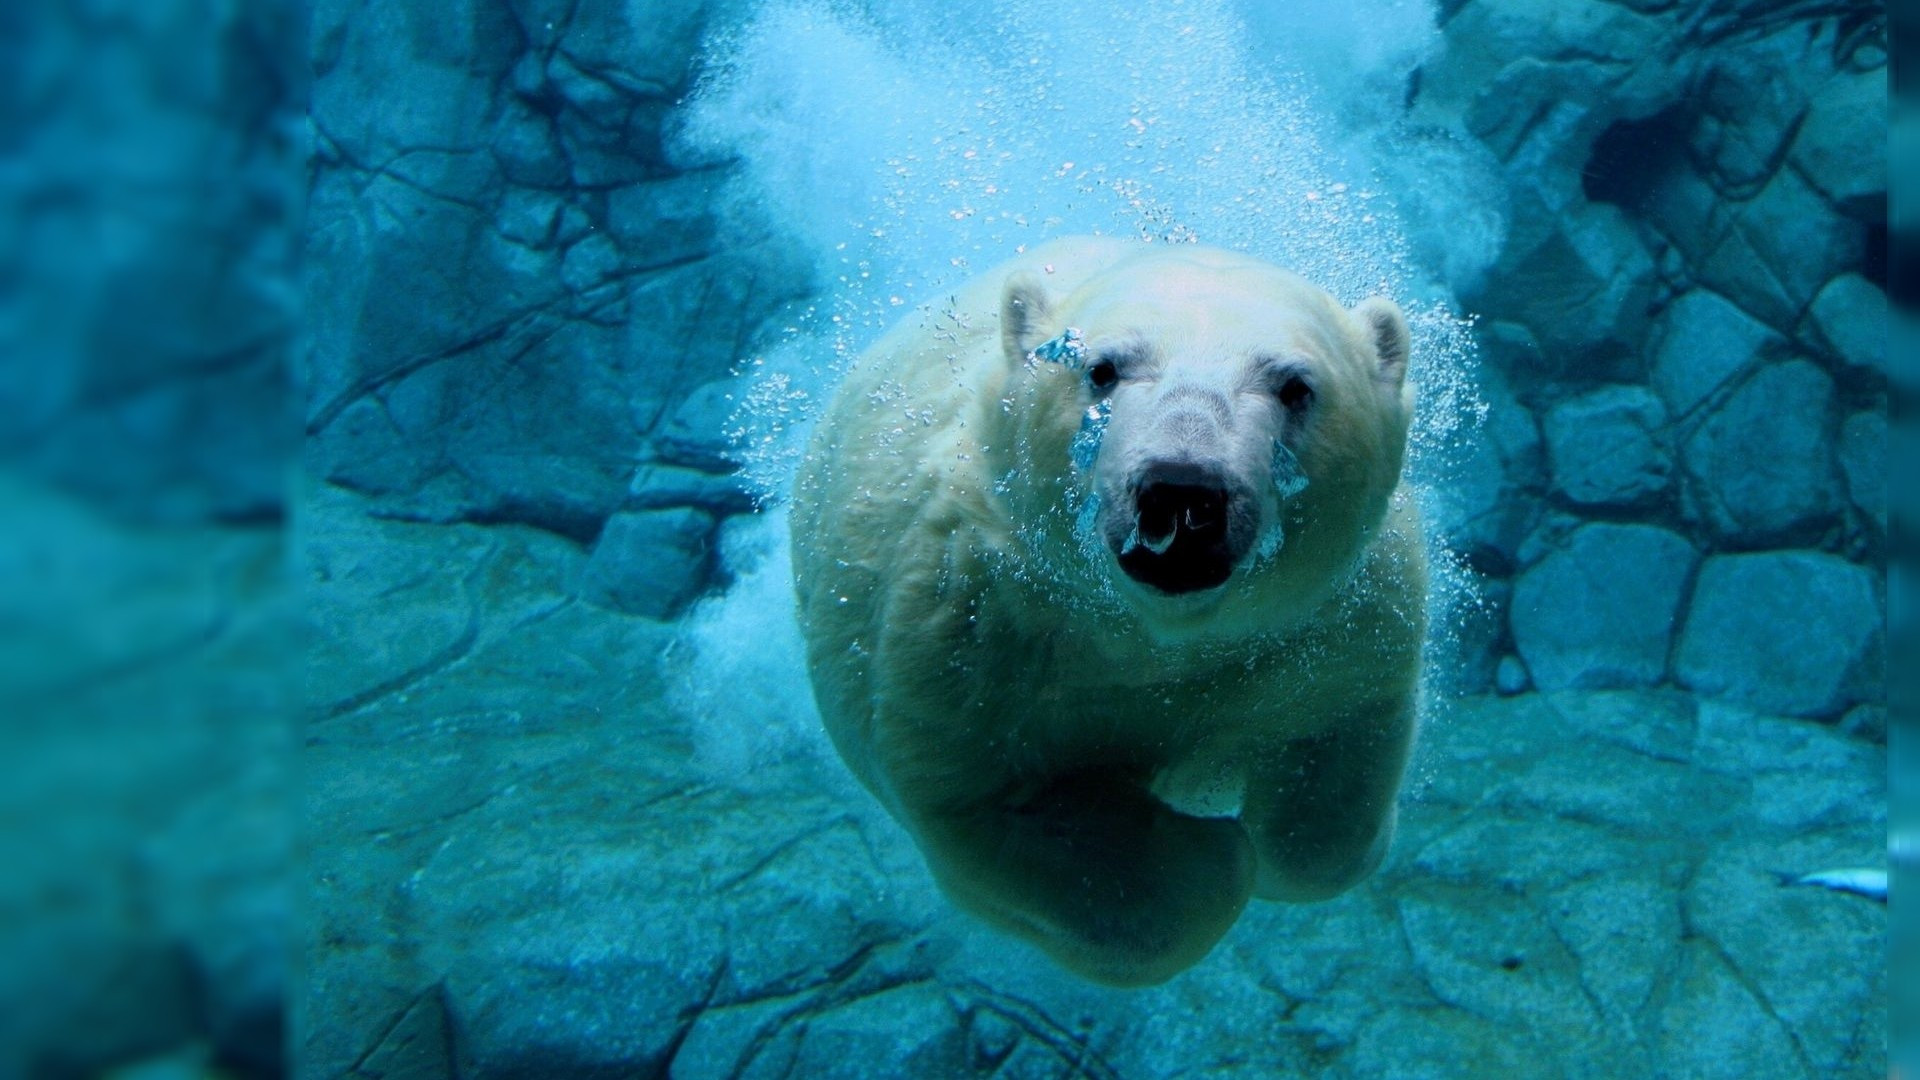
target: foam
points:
(901, 148)
(737, 669)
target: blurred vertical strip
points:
(1903, 495)
(152, 174)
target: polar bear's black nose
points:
(1182, 535)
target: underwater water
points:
(570, 290)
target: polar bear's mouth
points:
(1185, 534)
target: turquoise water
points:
(466, 729)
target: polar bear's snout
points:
(1188, 528)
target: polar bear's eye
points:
(1295, 393)
(1103, 374)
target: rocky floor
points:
(520, 868)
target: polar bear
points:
(1112, 595)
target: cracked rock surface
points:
(512, 284)
(1697, 226)
(519, 869)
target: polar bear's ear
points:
(1386, 328)
(1024, 311)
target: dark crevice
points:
(1073, 1049)
(1875, 264)
(580, 524)
(689, 1016)
(1632, 158)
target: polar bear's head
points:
(1219, 419)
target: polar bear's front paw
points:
(1108, 880)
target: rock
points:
(369, 455)
(1623, 930)
(1511, 676)
(1582, 288)
(351, 561)
(1549, 535)
(1700, 346)
(1517, 852)
(1686, 212)
(471, 437)
(1621, 789)
(696, 433)
(1712, 1025)
(590, 262)
(631, 56)
(1824, 1006)
(1534, 110)
(668, 218)
(522, 863)
(526, 148)
(1867, 722)
(1432, 1044)
(650, 562)
(416, 1048)
(1510, 349)
(1776, 250)
(1797, 633)
(1473, 636)
(397, 79)
(1841, 147)
(1608, 448)
(1660, 724)
(913, 1029)
(1489, 502)
(1512, 70)
(1515, 436)
(1748, 113)
(531, 218)
(615, 1015)
(1759, 472)
(750, 906)
(1600, 611)
(497, 240)
(1863, 460)
(1849, 316)
(1804, 777)
(660, 487)
(1494, 958)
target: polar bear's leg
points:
(1107, 879)
(1321, 810)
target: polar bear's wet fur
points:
(1113, 598)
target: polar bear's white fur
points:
(1112, 597)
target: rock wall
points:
(516, 296)
(521, 313)
(1684, 346)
